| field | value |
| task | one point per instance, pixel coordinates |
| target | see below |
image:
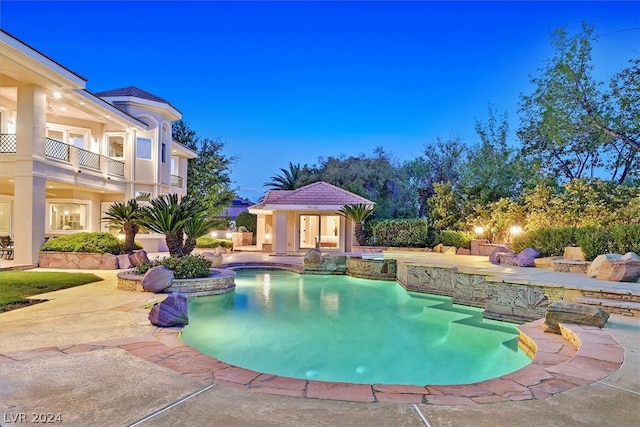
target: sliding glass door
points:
(319, 231)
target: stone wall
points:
(78, 260)
(377, 269)
(499, 299)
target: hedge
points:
(210, 242)
(459, 239)
(402, 233)
(84, 242)
(594, 241)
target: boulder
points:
(138, 257)
(526, 258)
(574, 313)
(213, 258)
(157, 279)
(314, 256)
(438, 248)
(173, 311)
(615, 267)
(493, 256)
(124, 261)
(108, 261)
(506, 258)
(463, 251)
(574, 253)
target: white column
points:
(280, 232)
(30, 179)
(261, 226)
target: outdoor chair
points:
(6, 247)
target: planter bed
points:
(219, 282)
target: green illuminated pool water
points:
(338, 328)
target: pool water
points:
(339, 328)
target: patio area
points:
(91, 355)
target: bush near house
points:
(210, 242)
(594, 241)
(84, 242)
(185, 267)
(247, 220)
(402, 233)
(459, 239)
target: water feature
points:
(338, 328)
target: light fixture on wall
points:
(267, 238)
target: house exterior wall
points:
(54, 150)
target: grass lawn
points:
(16, 285)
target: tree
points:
(290, 179)
(377, 177)
(571, 124)
(169, 216)
(208, 177)
(442, 162)
(358, 213)
(493, 170)
(127, 218)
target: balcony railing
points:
(88, 159)
(54, 149)
(176, 181)
(7, 143)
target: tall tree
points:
(493, 169)
(441, 163)
(208, 177)
(288, 179)
(377, 177)
(574, 126)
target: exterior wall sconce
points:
(267, 238)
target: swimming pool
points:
(339, 328)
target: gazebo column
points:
(280, 232)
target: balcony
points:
(58, 150)
(176, 181)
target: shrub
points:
(594, 241)
(210, 242)
(84, 242)
(186, 267)
(549, 241)
(459, 239)
(625, 238)
(402, 233)
(247, 220)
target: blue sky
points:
(294, 81)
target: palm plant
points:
(168, 215)
(125, 216)
(357, 212)
(195, 227)
(288, 180)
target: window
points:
(68, 216)
(115, 146)
(175, 161)
(5, 217)
(143, 148)
(164, 153)
(77, 137)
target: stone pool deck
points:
(90, 354)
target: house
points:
(67, 154)
(292, 221)
(238, 205)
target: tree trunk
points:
(189, 245)
(175, 243)
(130, 231)
(359, 232)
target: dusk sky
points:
(294, 81)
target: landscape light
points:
(229, 235)
(479, 230)
(515, 230)
(214, 234)
(267, 237)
